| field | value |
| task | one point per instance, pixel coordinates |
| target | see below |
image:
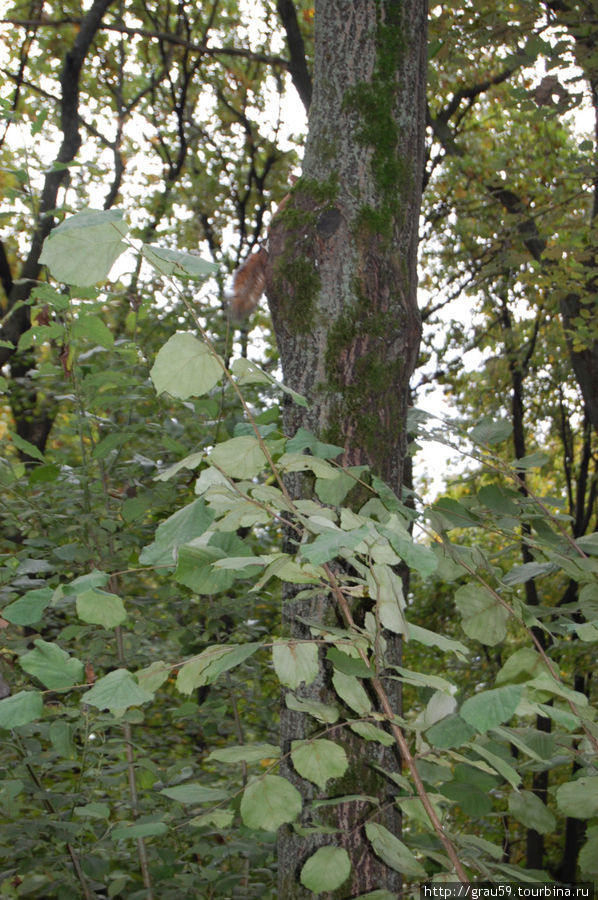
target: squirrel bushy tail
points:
(248, 285)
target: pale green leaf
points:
(387, 589)
(177, 262)
(219, 818)
(483, 617)
(491, 432)
(191, 793)
(527, 571)
(52, 665)
(326, 870)
(116, 691)
(183, 526)
(185, 367)
(247, 372)
(370, 732)
(392, 851)
(295, 662)
(92, 810)
(28, 609)
(20, 709)
(352, 692)
(432, 639)
(153, 676)
(248, 753)
(499, 764)
(528, 809)
(490, 708)
(26, 447)
(299, 462)
(205, 668)
(578, 799)
(93, 329)
(519, 666)
(270, 802)
(452, 731)
(189, 462)
(588, 855)
(100, 608)
(83, 249)
(319, 760)
(239, 457)
(142, 830)
(323, 712)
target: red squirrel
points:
(249, 279)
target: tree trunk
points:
(341, 283)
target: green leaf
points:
(100, 608)
(191, 793)
(83, 249)
(349, 665)
(527, 571)
(153, 676)
(490, 708)
(116, 691)
(295, 662)
(332, 542)
(392, 851)
(205, 668)
(141, 830)
(183, 526)
(498, 764)
(473, 802)
(219, 818)
(247, 372)
(588, 855)
(387, 589)
(491, 432)
(52, 665)
(528, 809)
(319, 760)
(305, 440)
(496, 499)
(92, 810)
(519, 666)
(20, 709)
(323, 712)
(239, 457)
(93, 329)
(26, 447)
(370, 732)
(452, 731)
(177, 262)
(578, 799)
(28, 609)
(533, 461)
(483, 617)
(326, 870)
(352, 692)
(432, 639)
(248, 753)
(270, 802)
(185, 367)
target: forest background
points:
(142, 555)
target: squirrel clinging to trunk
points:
(249, 279)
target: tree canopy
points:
(200, 516)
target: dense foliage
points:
(143, 469)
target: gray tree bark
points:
(341, 284)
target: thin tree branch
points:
(297, 64)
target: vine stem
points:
(398, 735)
